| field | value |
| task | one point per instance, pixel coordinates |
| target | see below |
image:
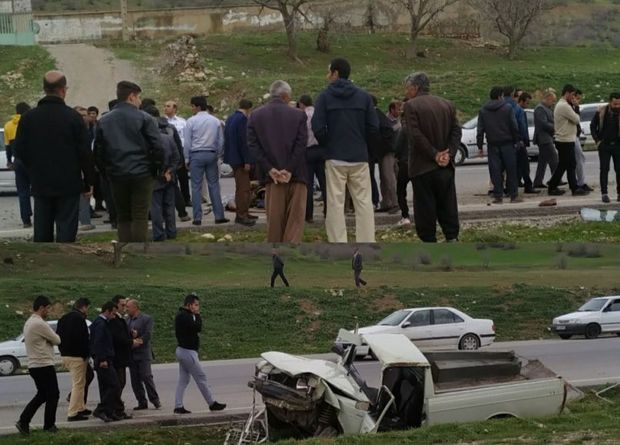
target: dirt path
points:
(92, 73)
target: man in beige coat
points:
(40, 340)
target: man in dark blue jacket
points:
(511, 96)
(237, 155)
(344, 119)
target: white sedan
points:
(428, 328)
(597, 316)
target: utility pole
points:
(124, 20)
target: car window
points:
(587, 114)
(470, 124)
(615, 306)
(444, 316)
(420, 318)
(395, 318)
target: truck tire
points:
(469, 342)
(565, 336)
(8, 365)
(593, 330)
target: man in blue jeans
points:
(204, 143)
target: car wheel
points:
(565, 336)
(8, 365)
(593, 330)
(460, 156)
(469, 342)
(618, 334)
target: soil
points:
(388, 302)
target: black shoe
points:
(587, 188)
(539, 186)
(580, 192)
(141, 407)
(77, 418)
(497, 201)
(563, 183)
(216, 406)
(23, 429)
(157, 405)
(181, 411)
(95, 215)
(52, 429)
(27, 225)
(103, 416)
(382, 210)
(222, 221)
(245, 221)
(124, 416)
(531, 192)
(196, 223)
(556, 192)
(85, 412)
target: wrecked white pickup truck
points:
(304, 397)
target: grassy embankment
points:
(521, 288)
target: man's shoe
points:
(52, 429)
(531, 192)
(27, 225)
(76, 418)
(563, 183)
(216, 406)
(103, 416)
(539, 186)
(245, 221)
(587, 188)
(222, 221)
(85, 412)
(516, 199)
(404, 222)
(23, 429)
(86, 227)
(95, 215)
(497, 201)
(580, 192)
(124, 416)
(157, 405)
(252, 216)
(185, 218)
(556, 192)
(196, 223)
(181, 410)
(605, 199)
(141, 407)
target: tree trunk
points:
(512, 49)
(412, 51)
(291, 35)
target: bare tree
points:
(422, 12)
(511, 18)
(290, 10)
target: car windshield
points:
(394, 319)
(593, 305)
(470, 124)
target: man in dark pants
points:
(123, 343)
(278, 268)
(435, 136)
(129, 150)
(102, 350)
(53, 145)
(605, 128)
(40, 339)
(22, 182)
(357, 268)
(315, 161)
(498, 123)
(141, 328)
(544, 130)
(523, 160)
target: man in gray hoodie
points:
(498, 122)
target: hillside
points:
(106, 5)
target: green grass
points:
(519, 287)
(247, 63)
(30, 63)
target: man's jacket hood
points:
(342, 88)
(494, 105)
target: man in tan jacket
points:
(566, 122)
(40, 340)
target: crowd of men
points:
(138, 162)
(120, 337)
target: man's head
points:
(416, 84)
(517, 94)
(21, 108)
(282, 90)
(133, 307)
(198, 104)
(509, 91)
(614, 101)
(83, 112)
(93, 114)
(549, 99)
(148, 102)
(524, 100)
(170, 108)
(192, 303)
(129, 92)
(568, 93)
(338, 69)
(497, 93)
(120, 304)
(55, 84)
(305, 101)
(108, 310)
(112, 104)
(395, 108)
(81, 305)
(245, 105)
(150, 109)
(578, 97)
(41, 306)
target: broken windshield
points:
(395, 319)
(593, 305)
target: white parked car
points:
(599, 315)
(13, 353)
(430, 328)
(7, 177)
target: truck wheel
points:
(8, 365)
(460, 156)
(593, 330)
(565, 336)
(469, 342)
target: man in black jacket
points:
(53, 145)
(102, 350)
(74, 349)
(278, 268)
(123, 342)
(357, 266)
(605, 128)
(129, 150)
(382, 143)
(498, 122)
(187, 327)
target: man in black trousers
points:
(357, 268)
(278, 268)
(123, 342)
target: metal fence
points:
(17, 29)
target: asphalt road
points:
(472, 182)
(582, 362)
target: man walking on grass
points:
(278, 268)
(357, 268)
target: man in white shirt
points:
(170, 110)
(40, 339)
(204, 143)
